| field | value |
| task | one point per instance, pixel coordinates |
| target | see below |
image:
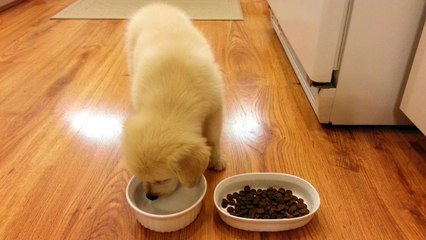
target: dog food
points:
(271, 203)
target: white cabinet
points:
(351, 56)
(414, 101)
(315, 29)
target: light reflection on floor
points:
(101, 127)
(97, 126)
(244, 127)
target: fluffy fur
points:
(176, 91)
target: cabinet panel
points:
(315, 30)
(414, 101)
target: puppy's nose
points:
(151, 196)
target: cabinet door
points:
(414, 100)
(314, 29)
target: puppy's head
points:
(162, 155)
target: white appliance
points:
(352, 57)
(414, 101)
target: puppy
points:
(176, 90)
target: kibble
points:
(270, 203)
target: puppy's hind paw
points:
(217, 164)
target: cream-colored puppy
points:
(176, 90)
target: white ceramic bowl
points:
(299, 187)
(168, 213)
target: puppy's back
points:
(170, 61)
(160, 17)
(159, 23)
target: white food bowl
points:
(301, 188)
(167, 213)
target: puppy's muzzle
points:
(151, 196)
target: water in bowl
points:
(179, 200)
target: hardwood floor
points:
(64, 94)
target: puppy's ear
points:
(190, 167)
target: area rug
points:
(123, 9)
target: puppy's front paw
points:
(217, 164)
